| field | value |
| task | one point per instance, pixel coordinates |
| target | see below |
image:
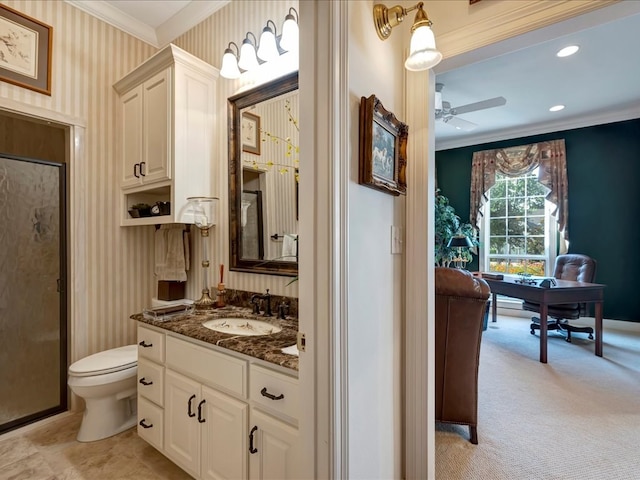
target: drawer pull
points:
(144, 425)
(264, 393)
(189, 412)
(144, 382)
(200, 419)
(251, 448)
(145, 345)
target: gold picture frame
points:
(25, 51)
(383, 148)
(250, 133)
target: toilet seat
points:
(109, 361)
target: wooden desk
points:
(565, 291)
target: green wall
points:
(603, 164)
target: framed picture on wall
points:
(25, 51)
(383, 148)
(250, 133)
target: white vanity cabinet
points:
(167, 115)
(219, 415)
(151, 386)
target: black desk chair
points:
(574, 267)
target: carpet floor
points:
(576, 417)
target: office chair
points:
(574, 267)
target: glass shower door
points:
(32, 299)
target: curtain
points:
(551, 159)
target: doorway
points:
(33, 273)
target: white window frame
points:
(550, 240)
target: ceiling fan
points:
(449, 114)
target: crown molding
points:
(194, 13)
(628, 113)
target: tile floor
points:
(50, 452)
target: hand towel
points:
(289, 246)
(171, 253)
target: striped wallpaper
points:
(89, 56)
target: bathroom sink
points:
(241, 326)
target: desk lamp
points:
(459, 242)
(203, 212)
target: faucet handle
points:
(255, 301)
(283, 310)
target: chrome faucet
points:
(255, 301)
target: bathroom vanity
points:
(220, 405)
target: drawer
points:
(150, 344)
(150, 422)
(214, 369)
(151, 381)
(274, 391)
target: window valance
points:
(550, 159)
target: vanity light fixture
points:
(290, 32)
(252, 53)
(230, 63)
(267, 49)
(248, 59)
(423, 53)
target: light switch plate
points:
(396, 240)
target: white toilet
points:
(107, 383)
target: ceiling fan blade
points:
(459, 123)
(484, 104)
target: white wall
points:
(375, 276)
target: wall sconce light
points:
(423, 53)
(290, 32)
(230, 63)
(248, 59)
(252, 53)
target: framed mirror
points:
(263, 178)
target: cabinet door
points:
(131, 137)
(181, 427)
(224, 436)
(157, 121)
(278, 449)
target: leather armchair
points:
(576, 267)
(461, 301)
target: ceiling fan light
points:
(423, 53)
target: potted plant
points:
(447, 225)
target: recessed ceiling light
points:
(566, 51)
(556, 108)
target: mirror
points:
(263, 178)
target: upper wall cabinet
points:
(167, 113)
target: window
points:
(518, 231)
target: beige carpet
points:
(577, 417)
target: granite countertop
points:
(264, 347)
